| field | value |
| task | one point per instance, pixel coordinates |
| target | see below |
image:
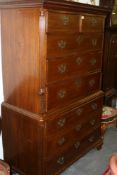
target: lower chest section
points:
(71, 134)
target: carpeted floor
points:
(95, 162)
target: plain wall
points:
(1, 94)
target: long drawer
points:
(65, 121)
(77, 87)
(75, 151)
(73, 22)
(62, 68)
(61, 44)
(62, 21)
(60, 142)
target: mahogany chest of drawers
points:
(52, 73)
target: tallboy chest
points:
(52, 76)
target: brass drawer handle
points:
(79, 111)
(61, 141)
(65, 20)
(94, 21)
(80, 39)
(93, 61)
(41, 92)
(78, 83)
(61, 44)
(79, 60)
(61, 160)
(62, 68)
(91, 82)
(61, 94)
(94, 106)
(92, 122)
(78, 127)
(91, 139)
(77, 145)
(94, 42)
(61, 122)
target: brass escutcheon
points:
(79, 60)
(62, 68)
(91, 82)
(77, 144)
(61, 94)
(79, 111)
(61, 44)
(92, 122)
(65, 20)
(61, 122)
(94, 21)
(61, 160)
(94, 42)
(80, 39)
(61, 141)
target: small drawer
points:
(62, 68)
(68, 120)
(78, 148)
(61, 22)
(91, 23)
(62, 45)
(78, 87)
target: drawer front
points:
(75, 151)
(78, 87)
(68, 120)
(61, 22)
(73, 22)
(91, 23)
(73, 65)
(62, 45)
(60, 142)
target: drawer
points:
(80, 129)
(62, 68)
(62, 45)
(61, 21)
(68, 120)
(74, 88)
(73, 22)
(78, 148)
(91, 23)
